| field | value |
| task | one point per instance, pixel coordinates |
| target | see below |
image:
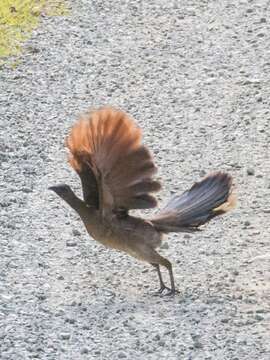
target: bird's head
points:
(63, 190)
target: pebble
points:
(165, 246)
(65, 336)
(261, 311)
(71, 243)
(202, 173)
(250, 171)
(122, 355)
(259, 317)
(76, 232)
(41, 296)
(86, 327)
(70, 320)
(84, 350)
(198, 345)
(225, 320)
(187, 236)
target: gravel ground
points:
(196, 78)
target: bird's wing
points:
(108, 143)
(89, 184)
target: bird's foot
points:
(162, 288)
(172, 292)
(169, 291)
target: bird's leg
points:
(162, 285)
(151, 256)
(172, 291)
(168, 265)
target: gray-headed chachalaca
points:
(116, 173)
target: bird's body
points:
(121, 233)
(116, 173)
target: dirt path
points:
(196, 78)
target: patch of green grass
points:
(19, 17)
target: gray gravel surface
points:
(196, 76)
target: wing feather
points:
(108, 142)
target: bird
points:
(117, 174)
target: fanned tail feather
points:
(205, 200)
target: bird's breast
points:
(122, 233)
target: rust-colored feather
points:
(109, 142)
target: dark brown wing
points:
(89, 186)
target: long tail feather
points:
(206, 199)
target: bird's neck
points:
(76, 203)
(86, 213)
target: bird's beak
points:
(53, 188)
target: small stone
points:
(266, 211)
(60, 312)
(236, 165)
(164, 246)
(75, 232)
(202, 173)
(225, 320)
(84, 350)
(41, 297)
(247, 223)
(197, 344)
(122, 355)
(161, 343)
(65, 336)
(259, 317)
(187, 236)
(26, 190)
(201, 308)
(250, 171)
(70, 320)
(261, 311)
(71, 243)
(33, 50)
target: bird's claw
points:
(170, 292)
(162, 288)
